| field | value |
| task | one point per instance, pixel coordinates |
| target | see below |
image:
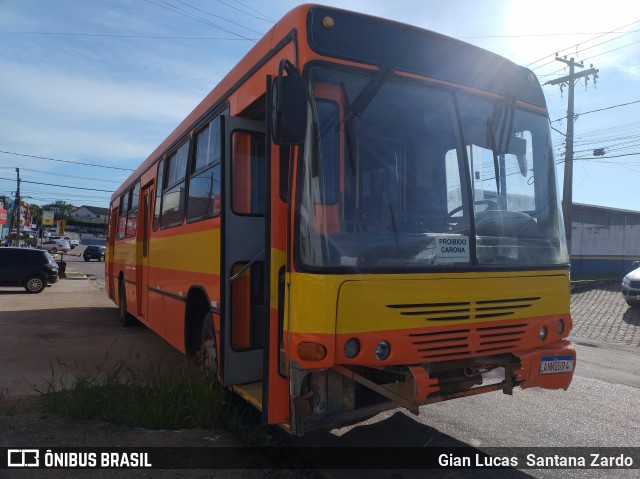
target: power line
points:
(60, 174)
(603, 157)
(593, 46)
(65, 161)
(179, 11)
(543, 35)
(218, 16)
(600, 109)
(109, 35)
(60, 186)
(254, 10)
(587, 41)
(263, 17)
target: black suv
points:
(31, 268)
(94, 252)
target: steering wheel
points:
(491, 205)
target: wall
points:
(605, 250)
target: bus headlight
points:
(560, 326)
(382, 351)
(352, 348)
(543, 333)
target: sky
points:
(89, 88)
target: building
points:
(90, 214)
(605, 241)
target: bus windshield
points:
(399, 173)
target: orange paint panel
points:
(436, 344)
(278, 396)
(174, 323)
(530, 371)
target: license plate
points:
(556, 364)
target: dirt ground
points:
(72, 328)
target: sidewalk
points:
(601, 313)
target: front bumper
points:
(530, 372)
(630, 294)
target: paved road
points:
(74, 323)
(598, 410)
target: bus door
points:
(244, 242)
(142, 251)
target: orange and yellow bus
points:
(361, 215)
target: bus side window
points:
(159, 186)
(173, 196)
(204, 179)
(122, 219)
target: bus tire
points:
(124, 317)
(207, 355)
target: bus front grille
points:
(468, 341)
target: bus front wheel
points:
(207, 356)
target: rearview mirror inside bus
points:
(289, 110)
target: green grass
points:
(150, 398)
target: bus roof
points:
(402, 47)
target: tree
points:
(35, 213)
(61, 209)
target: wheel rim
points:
(34, 284)
(208, 359)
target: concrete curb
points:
(587, 284)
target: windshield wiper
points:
(356, 108)
(367, 94)
(491, 139)
(499, 141)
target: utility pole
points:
(17, 209)
(567, 187)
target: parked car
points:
(72, 242)
(30, 268)
(631, 286)
(54, 245)
(94, 252)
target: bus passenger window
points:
(159, 186)
(204, 183)
(132, 215)
(248, 173)
(173, 196)
(122, 220)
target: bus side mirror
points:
(289, 110)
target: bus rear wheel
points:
(207, 355)
(123, 315)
